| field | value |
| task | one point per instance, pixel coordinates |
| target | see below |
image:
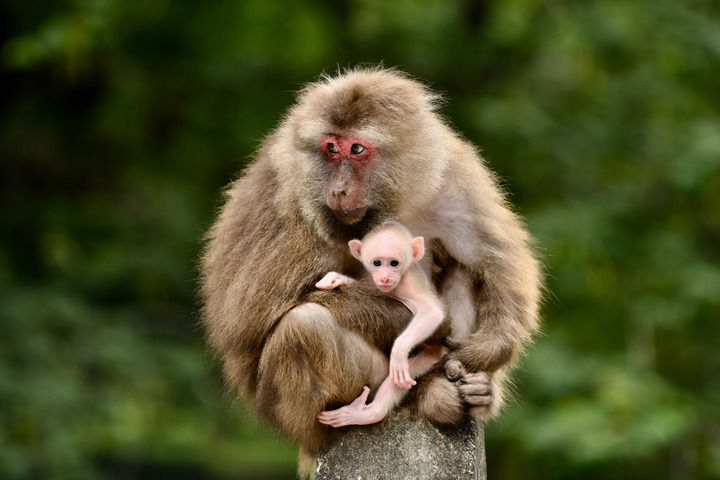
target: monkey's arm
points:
(246, 255)
(505, 315)
(488, 240)
(425, 322)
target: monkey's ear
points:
(418, 248)
(355, 248)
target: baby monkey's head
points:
(387, 252)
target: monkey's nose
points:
(338, 191)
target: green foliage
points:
(121, 122)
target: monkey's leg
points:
(479, 393)
(438, 399)
(443, 396)
(426, 359)
(361, 308)
(386, 398)
(310, 363)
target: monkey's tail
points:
(307, 464)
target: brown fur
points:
(440, 401)
(275, 237)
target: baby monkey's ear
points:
(418, 248)
(356, 248)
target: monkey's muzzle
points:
(348, 217)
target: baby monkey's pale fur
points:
(390, 254)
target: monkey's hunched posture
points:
(356, 150)
(390, 254)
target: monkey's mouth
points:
(348, 217)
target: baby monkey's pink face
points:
(387, 255)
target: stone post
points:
(406, 447)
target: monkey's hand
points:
(334, 280)
(400, 368)
(475, 390)
(357, 413)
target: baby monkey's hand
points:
(334, 280)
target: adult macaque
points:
(356, 150)
(390, 254)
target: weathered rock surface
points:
(406, 447)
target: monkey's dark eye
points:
(357, 149)
(394, 263)
(377, 263)
(332, 148)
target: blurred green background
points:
(122, 121)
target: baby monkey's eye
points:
(332, 148)
(377, 263)
(394, 263)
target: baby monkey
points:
(390, 254)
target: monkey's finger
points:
(405, 383)
(478, 400)
(363, 396)
(475, 388)
(333, 417)
(325, 419)
(335, 423)
(451, 343)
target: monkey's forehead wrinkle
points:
(368, 88)
(370, 103)
(310, 123)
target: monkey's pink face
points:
(350, 160)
